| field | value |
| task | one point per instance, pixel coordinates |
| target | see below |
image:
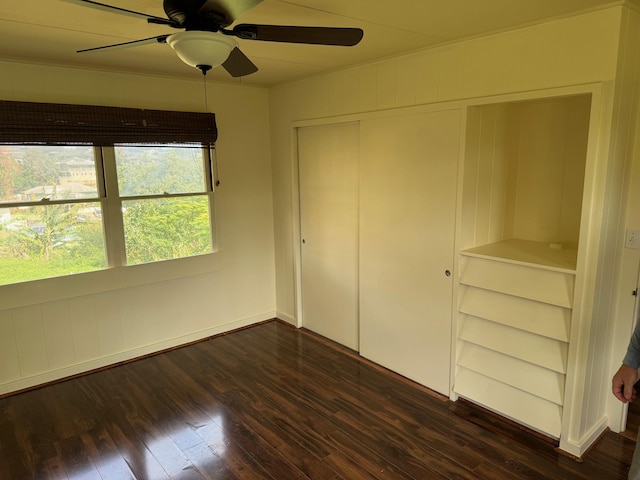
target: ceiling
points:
(50, 31)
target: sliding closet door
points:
(408, 184)
(328, 176)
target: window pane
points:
(31, 173)
(159, 169)
(166, 228)
(50, 240)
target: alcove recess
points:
(520, 223)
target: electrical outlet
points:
(632, 239)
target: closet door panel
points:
(328, 176)
(408, 180)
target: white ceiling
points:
(50, 31)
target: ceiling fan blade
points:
(346, 37)
(134, 43)
(123, 11)
(229, 9)
(238, 64)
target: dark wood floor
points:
(270, 402)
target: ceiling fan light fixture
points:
(206, 43)
(197, 48)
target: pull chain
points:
(204, 69)
(215, 181)
(204, 83)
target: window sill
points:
(59, 288)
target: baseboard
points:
(579, 448)
(287, 318)
(129, 355)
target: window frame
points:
(110, 201)
(115, 247)
(45, 201)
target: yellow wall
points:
(57, 327)
(549, 158)
(577, 50)
(580, 50)
(524, 172)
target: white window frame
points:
(111, 201)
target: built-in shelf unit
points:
(520, 221)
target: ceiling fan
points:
(206, 42)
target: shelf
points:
(541, 351)
(531, 410)
(541, 284)
(525, 252)
(525, 376)
(528, 315)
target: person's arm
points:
(627, 375)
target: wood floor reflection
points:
(270, 402)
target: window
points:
(72, 208)
(165, 202)
(50, 213)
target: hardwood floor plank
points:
(53, 469)
(271, 402)
(134, 451)
(210, 465)
(16, 467)
(77, 463)
(99, 445)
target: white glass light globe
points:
(197, 48)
